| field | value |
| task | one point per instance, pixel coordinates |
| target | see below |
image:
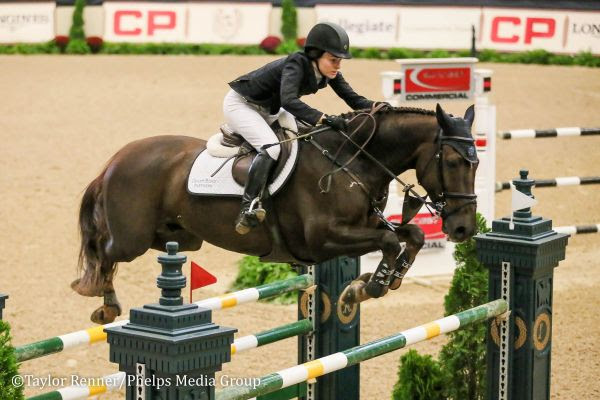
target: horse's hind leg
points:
(131, 235)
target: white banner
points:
(233, 23)
(26, 22)
(437, 27)
(145, 22)
(583, 32)
(367, 26)
(520, 29)
(561, 31)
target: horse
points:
(139, 201)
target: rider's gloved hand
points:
(335, 122)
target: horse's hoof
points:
(86, 290)
(395, 284)
(375, 290)
(351, 294)
(106, 314)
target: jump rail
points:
(97, 334)
(355, 355)
(545, 133)
(116, 381)
(578, 229)
(559, 181)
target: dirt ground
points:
(61, 118)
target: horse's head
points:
(447, 172)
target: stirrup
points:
(257, 210)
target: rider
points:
(255, 100)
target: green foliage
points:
(175, 48)
(8, 366)
(76, 32)
(438, 54)
(419, 378)
(77, 46)
(396, 53)
(287, 47)
(462, 359)
(289, 20)
(252, 272)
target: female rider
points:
(255, 100)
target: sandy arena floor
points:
(61, 118)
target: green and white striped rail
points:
(313, 369)
(116, 381)
(97, 335)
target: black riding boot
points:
(257, 179)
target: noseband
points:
(457, 142)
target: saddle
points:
(228, 144)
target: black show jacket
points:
(282, 82)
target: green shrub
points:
(287, 47)
(252, 272)
(438, 54)
(289, 20)
(586, 59)
(77, 46)
(77, 31)
(419, 378)
(8, 366)
(531, 57)
(462, 360)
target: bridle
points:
(439, 204)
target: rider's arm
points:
(291, 79)
(346, 93)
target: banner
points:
(561, 31)
(367, 26)
(228, 23)
(145, 22)
(437, 27)
(26, 22)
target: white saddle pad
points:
(201, 181)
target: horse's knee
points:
(390, 245)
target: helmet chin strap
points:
(319, 69)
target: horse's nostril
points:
(460, 232)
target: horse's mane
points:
(387, 110)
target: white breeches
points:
(253, 122)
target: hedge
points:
(529, 57)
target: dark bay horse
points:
(139, 201)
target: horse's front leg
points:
(347, 240)
(415, 239)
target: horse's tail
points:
(97, 268)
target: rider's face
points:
(329, 65)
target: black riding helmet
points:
(329, 37)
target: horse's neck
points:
(399, 142)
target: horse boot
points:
(401, 267)
(380, 280)
(252, 213)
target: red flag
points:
(200, 277)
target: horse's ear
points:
(470, 115)
(443, 119)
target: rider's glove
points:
(335, 122)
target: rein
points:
(438, 206)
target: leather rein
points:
(439, 205)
